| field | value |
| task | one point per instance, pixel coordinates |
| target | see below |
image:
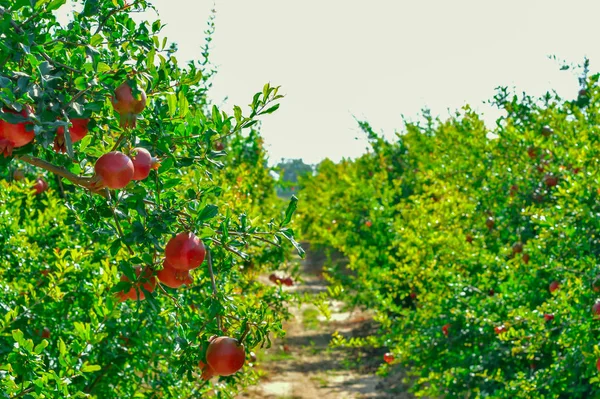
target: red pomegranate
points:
(114, 169)
(389, 358)
(147, 280)
(15, 135)
(143, 162)
(127, 105)
(78, 130)
(172, 277)
(225, 355)
(185, 251)
(40, 186)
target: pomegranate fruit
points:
(78, 130)
(596, 310)
(146, 280)
(18, 175)
(555, 285)
(172, 277)
(288, 282)
(207, 371)
(40, 186)
(446, 329)
(548, 317)
(388, 358)
(185, 251)
(500, 329)
(517, 248)
(143, 162)
(114, 169)
(225, 355)
(127, 105)
(15, 135)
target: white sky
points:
(379, 59)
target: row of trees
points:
(477, 249)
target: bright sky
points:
(379, 59)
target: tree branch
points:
(86, 182)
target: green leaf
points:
(172, 103)
(90, 368)
(270, 110)
(39, 348)
(290, 211)
(209, 212)
(55, 5)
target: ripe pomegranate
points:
(219, 146)
(490, 223)
(147, 280)
(555, 285)
(207, 371)
(40, 186)
(596, 310)
(185, 251)
(143, 162)
(172, 277)
(517, 248)
(548, 317)
(446, 329)
(78, 130)
(526, 258)
(551, 180)
(18, 175)
(413, 295)
(500, 329)
(114, 169)
(45, 333)
(598, 364)
(15, 135)
(273, 278)
(225, 355)
(368, 223)
(288, 282)
(389, 358)
(469, 238)
(127, 105)
(491, 292)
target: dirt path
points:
(303, 366)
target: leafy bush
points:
(454, 235)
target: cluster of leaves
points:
(454, 234)
(62, 332)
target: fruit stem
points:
(213, 283)
(245, 334)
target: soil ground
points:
(302, 365)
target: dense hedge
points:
(455, 233)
